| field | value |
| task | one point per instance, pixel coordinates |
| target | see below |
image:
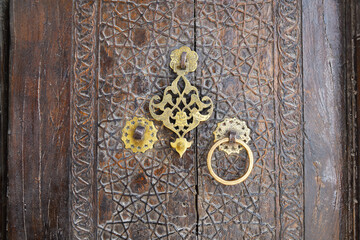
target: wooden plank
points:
(349, 209)
(241, 45)
(39, 119)
(356, 67)
(324, 118)
(4, 85)
(147, 195)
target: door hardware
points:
(232, 127)
(181, 108)
(231, 136)
(139, 134)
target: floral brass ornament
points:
(139, 134)
(235, 125)
(181, 109)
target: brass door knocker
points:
(181, 109)
(231, 136)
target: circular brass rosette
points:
(139, 134)
(232, 125)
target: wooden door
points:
(79, 70)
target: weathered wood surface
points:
(83, 121)
(4, 83)
(232, 61)
(250, 64)
(150, 195)
(39, 117)
(251, 56)
(350, 28)
(324, 118)
(355, 35)
(270, 204)
(235, 43)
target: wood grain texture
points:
(4, 87)
(349, 214)
(39, 119)
(250, 65)
(355, 34)
(324, 118)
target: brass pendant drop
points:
(181, 109)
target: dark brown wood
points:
(4, 83)
(250, 65)
(79, 72)
(349, 215)
(39, 120)
(324, 118)
(150, 195)
(355, 57)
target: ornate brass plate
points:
(139, 134)
(237, 126)
(181, 109)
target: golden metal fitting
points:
(139, 134)
(236, 126)
(236, 181)
(239, 136)
(180, 108)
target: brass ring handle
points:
(236, 181)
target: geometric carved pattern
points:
(83, 129)
(235, 44)
(147, 195)
(290, 142)
(154, 194)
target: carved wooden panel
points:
(249, 64)
(150, 195)
(235, 42)
(83, 99)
